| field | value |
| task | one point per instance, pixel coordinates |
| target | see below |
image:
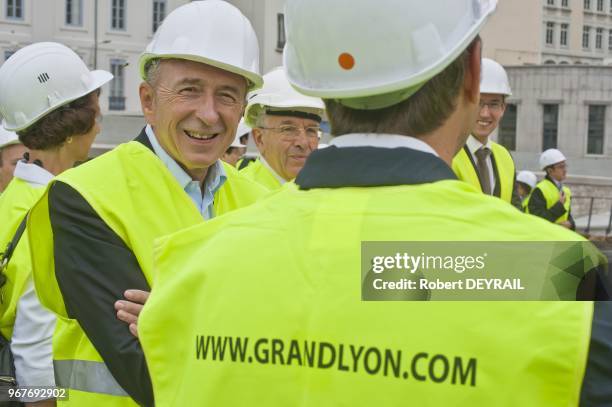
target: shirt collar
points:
(473, 144)
(382, 141)
(215, 176)
(33, 174)
(278, 177)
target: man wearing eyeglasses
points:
(551, 199)
(483, 163)
(285, 129)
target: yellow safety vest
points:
(289, 311)
(465, 170)
(139, 199)
(551, 194)
(16, 201)
(261, 174)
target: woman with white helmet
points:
(551, 199)
(49, 98)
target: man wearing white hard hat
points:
(11, 151)
(400, 80)
(97, 223)
(50, 98)
(285, 129)
(526, 182)
(236, 150)
(551, 199)
(482, 162)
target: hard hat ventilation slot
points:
(43, 77)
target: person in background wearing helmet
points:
(237, 149)
(96, 223)
(11, 151)
(285, 129)
(290, 306)
(57, 119)
(525, 182)
(551, 199)
(482, 162)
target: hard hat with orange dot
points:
(373, 54)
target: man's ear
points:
(471, 83)
(147, 102)
(258, 138)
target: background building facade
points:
(550, 32)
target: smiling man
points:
(94, 228)
(482, 162)
(285, 129)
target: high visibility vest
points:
(16, 201)
(261, 174)
(315, 343)
(551, 194)
(139, 199)
(465, 170)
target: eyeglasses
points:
(493, 106)
(289, 132)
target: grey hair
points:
(151, 71)
(261, 120)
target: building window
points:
(280, 35)
(599, 38)
(564, 3)
(118, 15)
(563, 36)
(550, 33)
(595, 138)
(587, 4)
(550, 2)
(610, 40)
(74, 12)
(507, 128)
(586, 32)
(116, 99)
(600, 5)
(549, 127)
(159, 13)
(14, 9)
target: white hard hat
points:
(277, 94)
(322, 145)
(494, 78)
(212, 32)
(241, 131)
(41, 77)
(550, 157)
(374, 54)
(7, 138)
(527, 177)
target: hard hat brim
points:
(255, 81)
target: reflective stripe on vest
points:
(551, 195)
(320, 341)
(17, 199)
(140, 200)
(86, 375)
(261, 174)
(465, 170)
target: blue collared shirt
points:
(215, 178)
